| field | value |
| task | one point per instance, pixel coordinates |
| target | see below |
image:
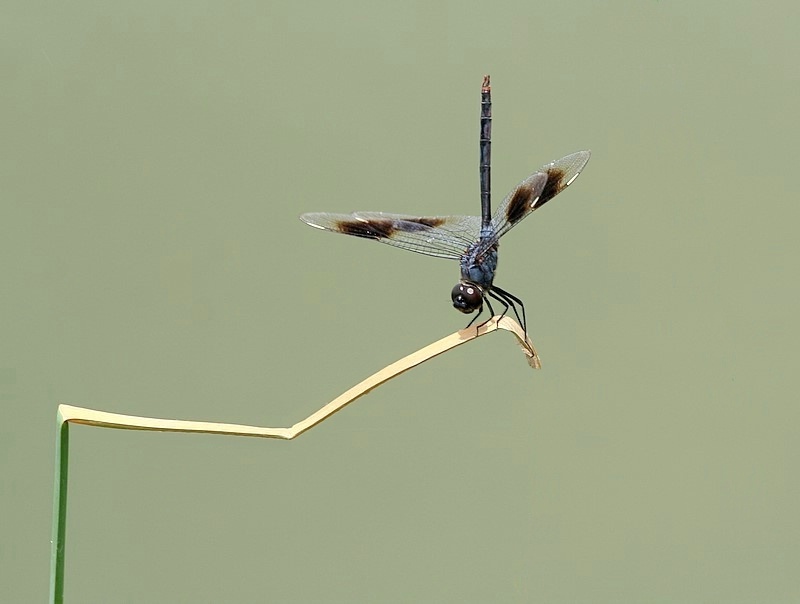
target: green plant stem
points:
(58, 542)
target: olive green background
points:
(155, 157)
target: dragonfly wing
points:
(438, 236)
(536, 190)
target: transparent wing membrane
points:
(438, 236)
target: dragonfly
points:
(471, 240)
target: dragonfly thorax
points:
(479, 263)
(467, 297)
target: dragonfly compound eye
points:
(467, 297)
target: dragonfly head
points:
(467, 297)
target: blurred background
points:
(155, 157)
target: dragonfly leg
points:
(512, 301)
(475, 318)
(480, 310)
(502, 301)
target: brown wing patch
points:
(553, 186)
(371, 229)
(429, 222)
(520, 204)
(383, 229)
